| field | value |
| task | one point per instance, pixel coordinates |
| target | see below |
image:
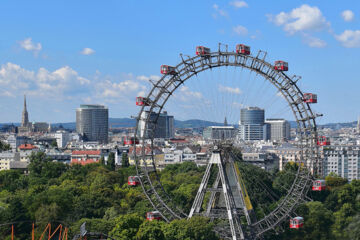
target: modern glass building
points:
(164, 127)
(92, 122)
(251, 125)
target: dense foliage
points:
(4, 146)
(95, 194)
(99, 195)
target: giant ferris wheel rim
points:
(305, 118)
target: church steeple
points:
(225, 122)
(25, 115)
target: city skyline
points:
(108, 62)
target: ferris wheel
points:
(240, 221)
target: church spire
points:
(25, 103)
(25, 115)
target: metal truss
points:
(231, 213)
(305, 118)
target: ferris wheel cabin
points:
(319, 185)
(141, 101)
(202, 51)
(242, 49)
(281, 66)
(323, 141)
(133, 181)
(154, 215)
(296, 222)
(310, 98)
(166, 69)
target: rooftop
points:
(92, 106)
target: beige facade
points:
(12, 160)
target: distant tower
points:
(358, 125)
(25, 115)
(225, 122)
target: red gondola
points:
(281, 66)
(154, 215)
(165, 69)
(310, 98)
(141, 101)
(133, 181)
(130, 140)
(200, 50)
(323, 141)
(319, 185)
(296, 222)
(242, 49)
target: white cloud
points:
(347, 15)
(229, 89)
(313, 41)
(148, 78)
(184, 94)
(238, 105)
(87, 51)
(219, 11)
(349, 38)
(240, 30)
(239, 4)
(303, 18)
(29, 45)
(15, 80)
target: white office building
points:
(278, 129)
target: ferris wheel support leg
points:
(213, 195)
(235, 226)
(201, 192)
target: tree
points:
(126, 226)
(196, 228)
(343, 218)
(125, 160)
(93, 225)
(102, 161)
(353, 229)
(284, 179)
(151, 230)
(54, 143)
(4, 147)
(333, 180)
(317, 221)
(47, 213)
(111, 161)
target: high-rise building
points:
(358, 125)
(278, 129)
(92, 122)
(251, 125)
(343, 161)
(164, 127)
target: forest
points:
(99, 195)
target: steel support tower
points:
(227, 196)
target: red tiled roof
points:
(27, 147)
(178, 140)
(147, 150)
(86, 152)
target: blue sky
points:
(64, 53)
